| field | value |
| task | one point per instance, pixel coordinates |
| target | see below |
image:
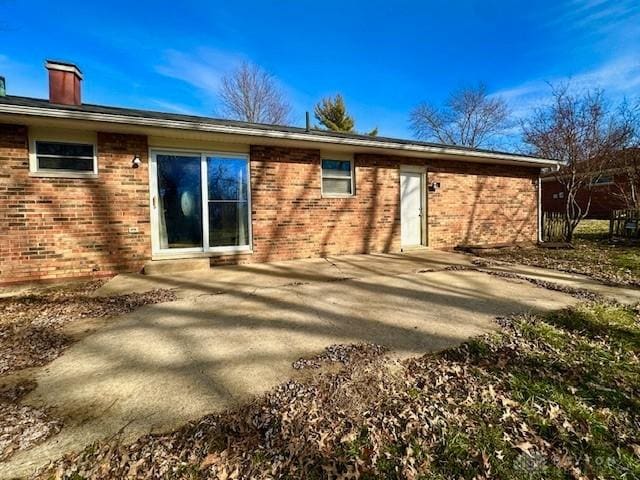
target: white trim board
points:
(202, 125)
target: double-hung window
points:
(337, 177)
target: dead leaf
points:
(525, 447)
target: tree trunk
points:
(571, 226)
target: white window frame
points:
(206, 250)
(341, 157)
(80, 138)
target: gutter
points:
(269, 134)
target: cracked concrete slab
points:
(626, 295)
(235, 331)
(260, 275)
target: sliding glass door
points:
(179, 202)
(200, 202)
(228, 198)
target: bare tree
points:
(581, 131)
(627, 162)
(469, 117)
(627, 184)
(252, 95)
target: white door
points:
(411, 193)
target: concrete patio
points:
(234, 332)
(232, 279)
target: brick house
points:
(604, 197)
(606, 191)
(89, 190)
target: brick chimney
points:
(64, 83)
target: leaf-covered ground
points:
(32, 334)
(592, 255)
(22, 426)
(31, 324)
(549, 397)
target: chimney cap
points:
(63, 66)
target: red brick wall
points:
(604, 198)
(291, 219)
(477, 204)
(481, 204)
(54, 228)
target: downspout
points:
(539, 208)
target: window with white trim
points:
(337, 177)
(64, 156)
(62, 153)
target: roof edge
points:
(248, 130)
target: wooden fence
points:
(624, 224)
(554, 227)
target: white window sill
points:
(63, 174)
(211, 253)
(338, 195)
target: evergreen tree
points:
(332, 115)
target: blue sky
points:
(384, 57)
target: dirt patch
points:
(31, 325)
(483, 265)
(33, 332)
(450, 268)
(345, 354)
(592, 254)
(22, 426)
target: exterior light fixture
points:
(136, 162)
